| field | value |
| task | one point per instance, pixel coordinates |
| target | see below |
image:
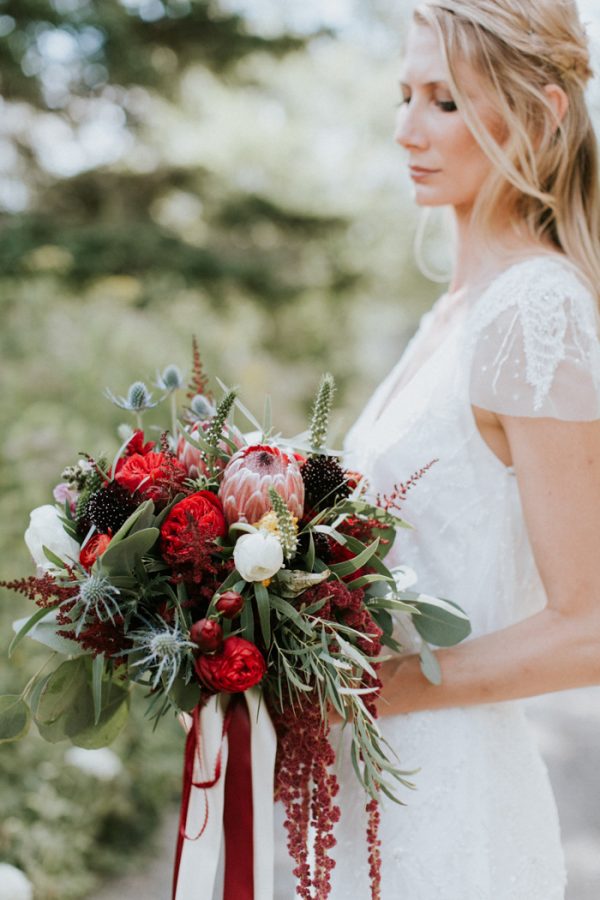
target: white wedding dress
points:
(482, 823)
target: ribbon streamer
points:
(227, 793)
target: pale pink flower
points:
(191, 457)
(244, 490)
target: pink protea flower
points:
(191, 457)
(244, 490)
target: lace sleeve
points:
(536, 349)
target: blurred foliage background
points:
(224, 168)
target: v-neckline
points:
(395, 375)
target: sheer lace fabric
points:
(482, 823)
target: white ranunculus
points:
(46, 530)
(14, 884)
(101, 763)
(258, 556)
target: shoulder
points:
(535, 332)
(543, 291)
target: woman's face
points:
(447, 165)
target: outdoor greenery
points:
(169, 168)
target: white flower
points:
(258, 556)
(102, 763)
(14, 884)
(46, 530)
(404, 577)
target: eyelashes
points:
(445, 105)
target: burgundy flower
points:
(201, 510)
(207, 634)
(239, 666)
(230, 604)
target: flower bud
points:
(207, 634)
(230, 604)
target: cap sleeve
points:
(535, 345)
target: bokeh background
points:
(223, 168)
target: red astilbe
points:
(397, 495)
(42, 589)
(102, 638)
(307, 789)
(198, 379)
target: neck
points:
(479, 258)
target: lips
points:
(419, 170)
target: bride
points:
(501, 384)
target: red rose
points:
(147, 473)
(200, 514)
(94, 548)
(238, 667)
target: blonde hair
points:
(545, 173)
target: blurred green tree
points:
(78, 68)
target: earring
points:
(440, 240)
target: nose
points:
(410, 132)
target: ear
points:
(558, 101)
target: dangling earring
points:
(422, 265)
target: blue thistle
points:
(164, 647)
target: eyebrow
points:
(426, 84)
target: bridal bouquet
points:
(223, 573)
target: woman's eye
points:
(403, 101)
(447, 105)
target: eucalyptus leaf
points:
(45, 631)
(112, 719)
(15, 718)
(443, 624)
(264, 610)
(185, 696)
(61, 690)
(120, 558)
(430, 665)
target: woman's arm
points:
(558, 470)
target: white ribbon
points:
(199, 866)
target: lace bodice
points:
(527, 346)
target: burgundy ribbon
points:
(237, 813)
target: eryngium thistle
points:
(137, 400)
(164, 647)
(97, 600)
(287, 527)
(319, 425)
(170, 379)
(201, 407)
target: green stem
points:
(174, 417)
(138, 419)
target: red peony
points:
(238, 667)
(147, 473)
(200, 514)
(94, 548)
